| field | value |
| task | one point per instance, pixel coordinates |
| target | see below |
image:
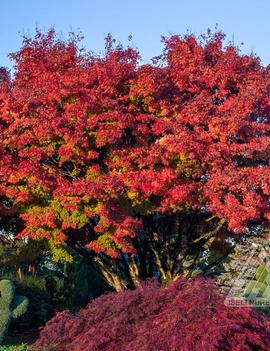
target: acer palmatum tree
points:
(152, 318)
(141, 169)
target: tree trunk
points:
(167, 248)
(20, 272)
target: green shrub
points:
(22, 347)
(11, 307)
(39, 309)
(258, 290)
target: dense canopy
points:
(186, 316)
(90, 141)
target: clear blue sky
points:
(146, 20)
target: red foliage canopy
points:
(186, 316)
(85, 137)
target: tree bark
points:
(167, 248)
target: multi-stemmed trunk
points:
(167, 248)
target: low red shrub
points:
(185, 316)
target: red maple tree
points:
(141, 163)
